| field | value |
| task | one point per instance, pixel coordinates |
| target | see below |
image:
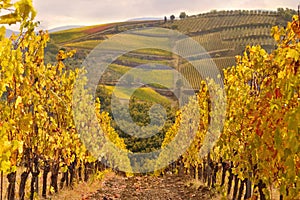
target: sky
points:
(56, 13)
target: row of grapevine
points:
(258, 149)
(239, 13)
(203, 24)
(192, 25)
(247, 32)
(224, 62)
(193, 76)
(263, 41)
(37, 129)
(212, 41)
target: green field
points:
(128, 59)
(146, 76)
(158, 52)
(87, 44)
(67, 35)
(143, 94)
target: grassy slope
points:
(66, 36)
(146, 76)
(143, 94)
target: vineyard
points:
(257, 151)
(223, 34)
(241, 138)
(213, 42)
(204, 23)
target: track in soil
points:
(150, 188)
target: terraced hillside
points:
(223, 35)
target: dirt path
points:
(149, 188)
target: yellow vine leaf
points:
(18, 101)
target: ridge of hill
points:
(62, 28)
(144, 19)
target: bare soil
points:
(150, 188)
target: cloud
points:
(84, 12)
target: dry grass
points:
(200, 186)
(81, 190)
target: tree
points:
(285, 15)
(182, 15)
(172, 17)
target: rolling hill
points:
(223, 34)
